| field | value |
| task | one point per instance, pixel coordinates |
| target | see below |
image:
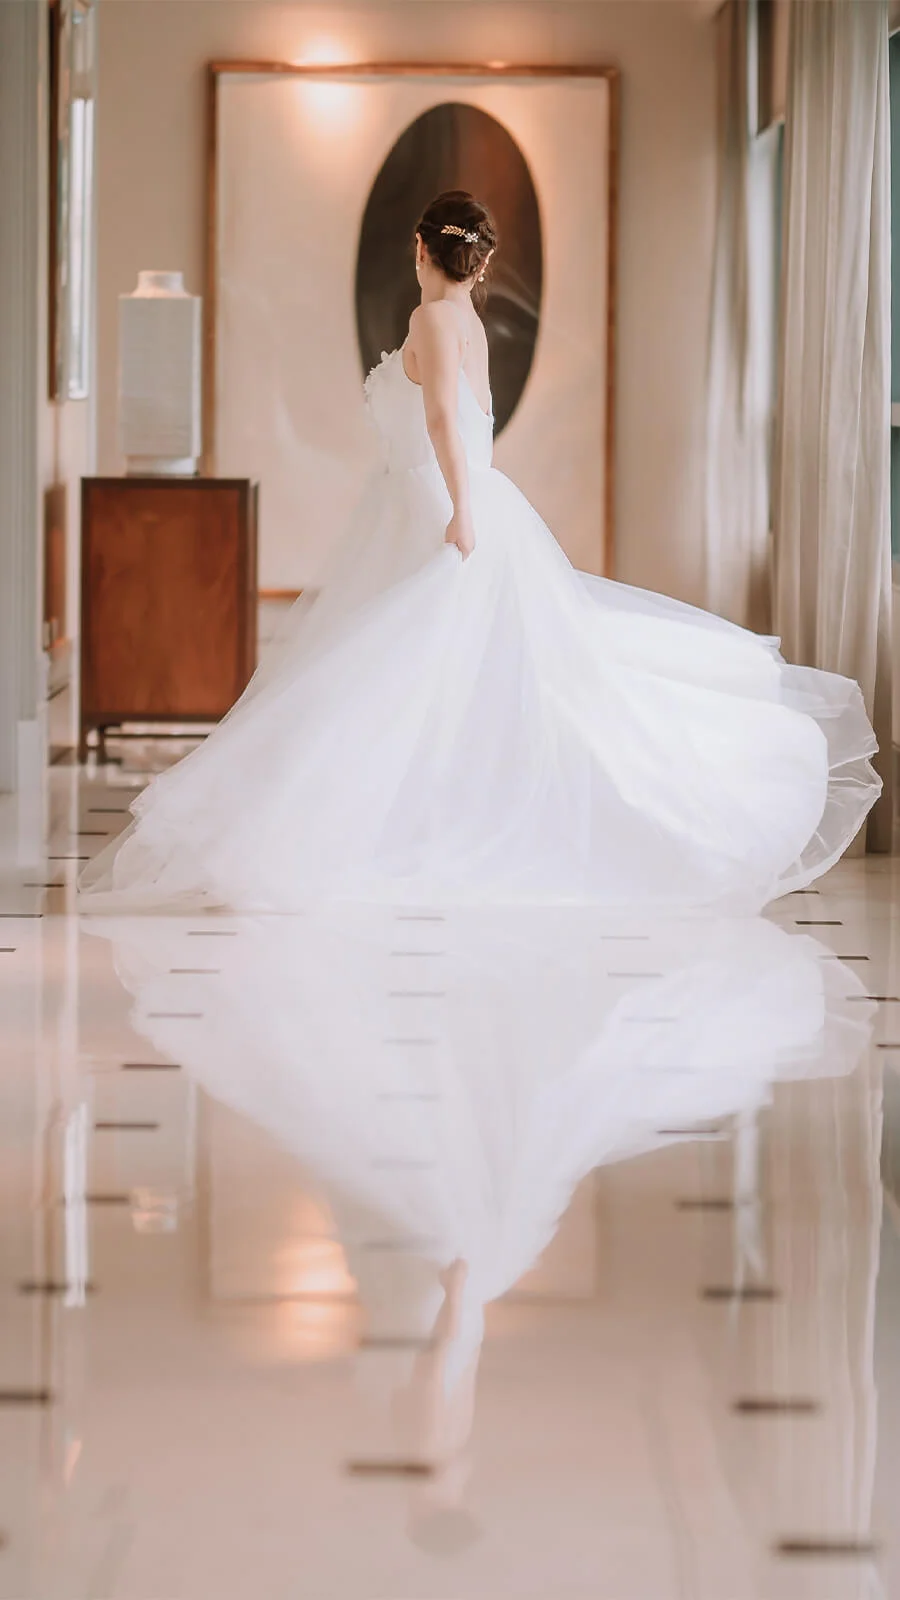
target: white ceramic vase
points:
(159, 376)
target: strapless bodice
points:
(397, 410)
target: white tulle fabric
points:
(504, 729)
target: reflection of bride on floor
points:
(446, 1082)
(460, 716)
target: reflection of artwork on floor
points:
(454, 146)
(317, 180)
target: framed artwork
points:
(316, 179)
(73, 57)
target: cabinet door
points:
(168, 589)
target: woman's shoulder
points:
(437, 319)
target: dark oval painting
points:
(454, 146)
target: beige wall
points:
(150, 178)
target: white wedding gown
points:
(505, 729)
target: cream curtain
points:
(832, 464)
(741, 342)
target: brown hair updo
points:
(458, 255)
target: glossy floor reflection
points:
(449, 1256)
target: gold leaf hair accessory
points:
(461, 233)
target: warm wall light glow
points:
(322, 52)
(326, 99)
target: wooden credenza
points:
(168, 599)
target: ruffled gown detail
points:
(500, 730)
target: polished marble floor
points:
(444, 1256)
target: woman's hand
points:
(461, 532)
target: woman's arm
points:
(435, 345)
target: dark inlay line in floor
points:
(127, 1127)
(714, 1132)
(25, 1397)
(884, 999)
(417, 994)
(634, 974)
(853, 1548)
(390, 1469)
(108, 811)
(92, 833)
(747, 1291)
(888, 1046)
(106, 1200)
(837, 957)
(818, 922)
(43, 886)
(195, 972)
(150, 1066)
(22, 916)
(752, 1406)
(792, 892)
(68, 858)
(708, 1203)
(174, 1016)
(51, 1286)
(7, 949)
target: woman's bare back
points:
(474, 357)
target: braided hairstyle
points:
(459, 234)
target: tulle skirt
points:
(499, 730)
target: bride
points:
(460, 716)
